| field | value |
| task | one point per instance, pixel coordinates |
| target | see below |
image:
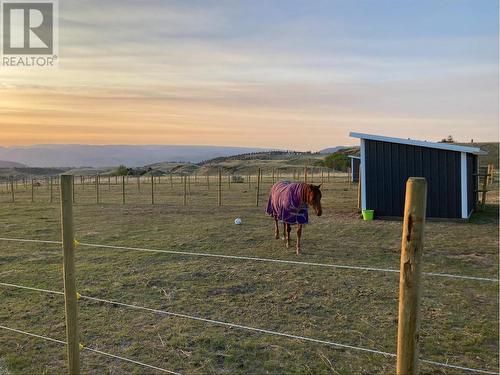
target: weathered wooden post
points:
(208, 181)
(410, 274)
(305, 175)
(73, 190)
(109, 183)
(70, 293)
(359, 192)
(139, 183)
(12, 189)
(123, 189)
(229, 181)
(219, 193)
(257, 194)
(249, 180)
(171, 180)
(97, 189)
(272, 173)
(152, 188)
(322, 176)
(32, 190)
(52, 191)
(184, 201)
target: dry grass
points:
(459, 317)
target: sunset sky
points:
(281, 74)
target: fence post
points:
(12, 189)
(208, 181)
(70, 299)
(184, 201)
(32, 190)
(138, 183)
(219, 193)
(152, 188)
(409, 276)
(123, 189)
(305, 175)
(52, 191)
(257, 194)
(73, 190)
(359, 192)
(97, 189)
(171, 181)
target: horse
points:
(288, 203)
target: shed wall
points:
(389, 165)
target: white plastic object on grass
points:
(237, 221)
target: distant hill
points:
(332, 150)
(10, 164)
(113, 155)
(491, 148)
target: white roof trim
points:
(413, 142)
(354, 157)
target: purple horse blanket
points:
(285, 203)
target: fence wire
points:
(254, 259)
(89, 349)
(243, 327)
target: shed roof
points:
(413, 142)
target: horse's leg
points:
(299, 233)
(276, 229)
(288, 230)
(284, 231)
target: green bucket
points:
(368, 214)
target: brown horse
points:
(288, 203)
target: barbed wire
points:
(255, 259)
(248, 328)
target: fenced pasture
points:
(331, 312)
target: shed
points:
(451, 173)
(355, 161)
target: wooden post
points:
(189, 184)
(359, 192)
(184, 201)
(152, 188)
(219, 193)
(70, 299)
(208, 181)
(138, 183)
(52, 191)
(484, 190)
(123, 189)
(109, 183)
(257, 194)
(312, 175)
(32, 190)
(322, 176)
(409, 276)
(249, 180)
(273, 175)
(229, 181)
(12, 189)
(97, 189)
(73, 190)
(305, 175)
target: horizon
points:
(235, 74)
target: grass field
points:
(459, 317)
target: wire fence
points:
(220, 323)
(254, 259)
(223, 323)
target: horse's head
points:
(314, 198)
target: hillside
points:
(10, 164)
(492, 148)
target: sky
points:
(267, 73)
